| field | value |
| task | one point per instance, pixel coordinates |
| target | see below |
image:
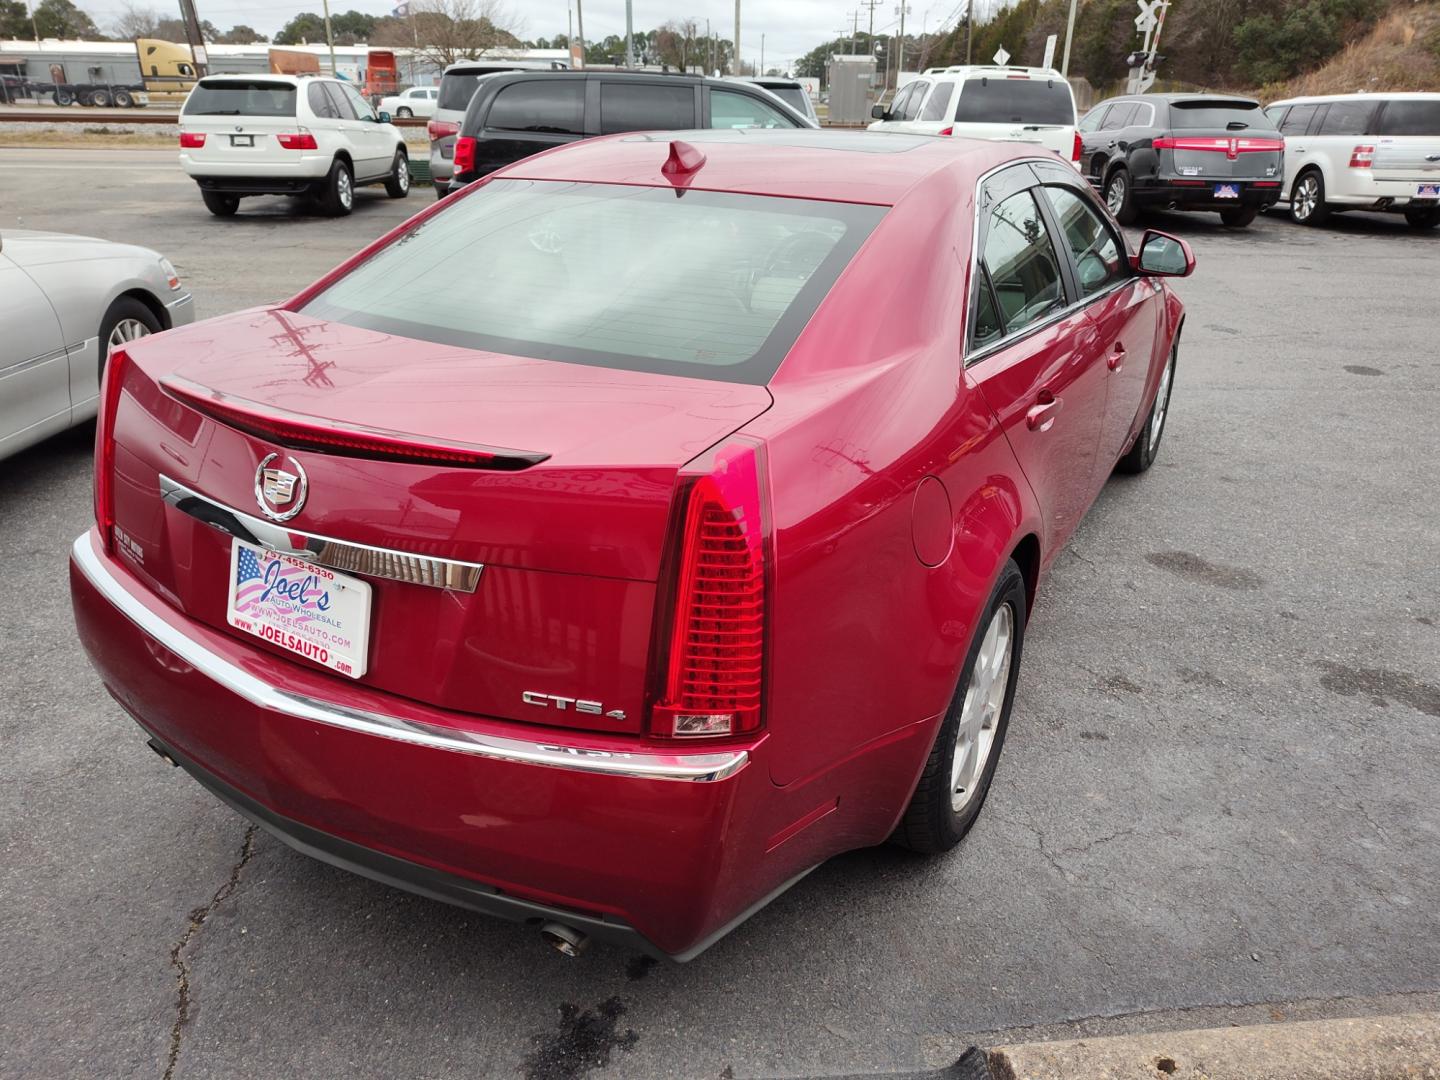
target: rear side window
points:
(1347, 118)
(1297, 120)
(1020, 259)
(993, 100)
(729, 109)
(704, 284)
(241, 97)
(1410, 118)
(937, 105)
(320, 103)
(913, 102)
(628, 106)
(540, 105)
(1225, 115)
(1120, 115)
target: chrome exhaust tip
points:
(565, 940)
(162, 752)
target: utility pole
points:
(872, 5)
(580, 26)
(1069, 33)
(737, 38)
(762, 56)
(197, 43)
(329, 36)
(629, 36)
(969, 27)
(900, 51)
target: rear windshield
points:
(235, 97)
(458, 87)
(1410, 118)
(695, 283)
(1227, 116)
(992, 99)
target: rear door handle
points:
(1117, 357)
(1041, 415)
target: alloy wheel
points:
(1162, 404)
(402, 173)
(1115, 193)
(127, 330)
(980, 711)
(1307, 195)
(343, 189)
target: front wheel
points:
(1142, 454)
(337, 196)
(1307, 200)
(125, 320)
(1237, 217)
(398, 185)
(1423, 219)
(1119, 198)
(220, 204)
(962, 762)
(64, 97)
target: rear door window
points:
(1225, 115)
(627, 106)
(991, 100)
(1121, 113)
(1297, 120)
(1410, 117)
(710, 285)
(547, 105)
(937, 105)
(729, 109)
(241, 97)
(1347, 118)
(1022, 263)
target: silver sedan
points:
(64, 302)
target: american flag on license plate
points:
(249, 581)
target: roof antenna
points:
(684, 160)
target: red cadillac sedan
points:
(609, 545)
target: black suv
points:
(519, 113)
(1182, 152)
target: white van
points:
(1361, 152)
(1018, 104)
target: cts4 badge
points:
(555, 701)
(280, 493)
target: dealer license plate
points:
(242, 140)
(304, 609)
(1428, 191)
(1227, 191)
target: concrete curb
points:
(1403, 1047)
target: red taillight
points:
(300, 140)
(438, 129)
(947, 131)
(464, 154)
(114, 375)
(1362, 157)
(1230, 147)
(716, 659)
(1075, 150)
(297, 432)
(191, 140)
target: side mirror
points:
(1163, 255)
(384, 118)
(877, 112)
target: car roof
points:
(265, 76)
(965, 71)
(1182, 96)
(1379, 95)
(803, 163)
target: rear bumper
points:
(1202, 197)
(258, 185)
(662, 850)
(1361, 189)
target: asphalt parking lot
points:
(1218, 791)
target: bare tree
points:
(135, 22)
(444, 31)
(677, 42)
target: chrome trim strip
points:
(341, 555)
(42, 358)
(695, 768)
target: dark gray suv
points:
(516, 114)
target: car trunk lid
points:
(567, 520)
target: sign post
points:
(1049, 60)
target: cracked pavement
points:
(1218, 788)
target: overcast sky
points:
(791, 27)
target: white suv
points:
(417, 101)
(1361, 152)
(1018, 104)
(287, 135)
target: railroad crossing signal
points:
(1146, 19)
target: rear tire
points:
(1238, 217)
(1423, 219)
(1307, 199)
(1141, 455)
(220, 204)
(123, 100)
(403, 113)
(398, 186)
(337, 196)
(64, 97)
(99, 98)
(957, 775)
(1119, 197)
